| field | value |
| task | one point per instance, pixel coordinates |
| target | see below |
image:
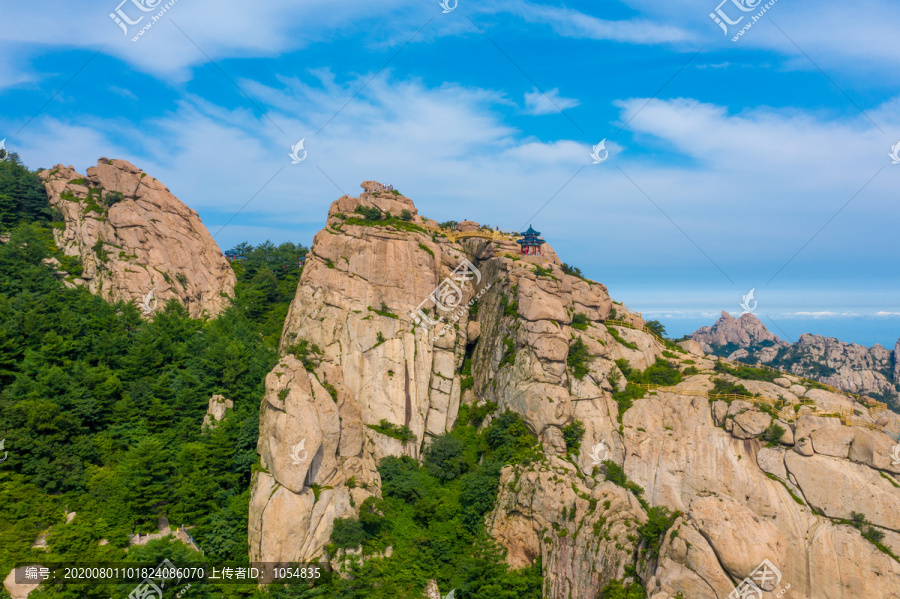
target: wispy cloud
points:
(680, 314)
(575, 24)
(831, 314)
(121, 91)
(537, 103)
(820, 314)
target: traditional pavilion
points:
(531, 243)
(234, 255)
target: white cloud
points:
(820, 314)
(867, 30)
(121, 91)
(748, 188)
(832, 314)
(680, 314)
(575, 24)
(214, 28)
(537, 103)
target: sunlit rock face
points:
(134, 237)
(745, 496)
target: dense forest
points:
(101, 412)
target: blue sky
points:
(759, 163)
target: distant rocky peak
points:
(743, 332)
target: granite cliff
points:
(746, 467)
(132, 236)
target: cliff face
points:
(133, 236)
(354, 357)
(847, 366)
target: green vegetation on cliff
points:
(432, 518)
(22, 196)
(101, 413)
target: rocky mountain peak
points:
(847, 366)
(133, 236)
(743, 332)
(366, 375)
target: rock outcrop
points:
(135, 238)
(367, 352)
(19, 590)
(746, 331)
(363, 360)
(847, 366)
(215, 412)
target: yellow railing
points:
(644, 329)
(786, 413)
(454, 236)
(875, 407)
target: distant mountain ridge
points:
(848, 366)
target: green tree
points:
(444, 458)
(578, 358)
(656, 327)
(572, 435)
(22, 195)
(145, 471)
(774, 433)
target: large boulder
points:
(136, 241)
(750, 424)
(692, 347)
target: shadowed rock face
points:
(133, 236)
(705, 460)
(847, 366)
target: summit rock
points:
(133, 237)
